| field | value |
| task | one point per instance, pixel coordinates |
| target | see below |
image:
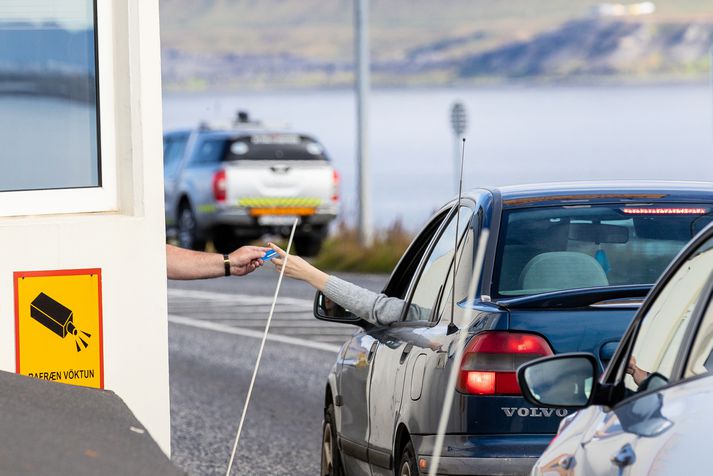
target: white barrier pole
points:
(259, 354)
(457, 357)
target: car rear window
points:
(570, 247)
(271, 146)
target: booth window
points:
(49, 102)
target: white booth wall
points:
(121, 232)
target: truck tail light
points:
(219, 186)
(336, 179)
(491, 359)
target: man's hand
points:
(246, 259)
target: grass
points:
(343, 252)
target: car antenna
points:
(452, 328)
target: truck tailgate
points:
(262, 183)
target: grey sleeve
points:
(374, 307)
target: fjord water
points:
(515, 135)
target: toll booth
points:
(82, 267)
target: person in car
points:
(638, 374)
(374, 307)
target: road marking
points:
(236, 298)
(212, 326)
(281, 323)
(205, 307)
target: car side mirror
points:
(565, 380)
(653, 382)
(328, 310)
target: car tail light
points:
(335, 182)
(491, 359)
(219, 188)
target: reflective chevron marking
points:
(279, 202)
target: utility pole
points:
(361, 54)
(459, 124)
(710, 73)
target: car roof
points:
(237, 131)
(587, 192)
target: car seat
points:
(562, 270)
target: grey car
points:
(650, 412)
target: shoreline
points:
(588, 83)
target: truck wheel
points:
(188, 230)
(308, 245)
(407, 463)
(331, 459)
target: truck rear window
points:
(558, 248)
(274, 147)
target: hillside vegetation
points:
(267, 43)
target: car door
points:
(358, 361)
(197, 178)
(174, 148)
(653, 352)
(685, 405)
(416, 334)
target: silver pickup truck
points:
(231, 185)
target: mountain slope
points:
(595, 48)
(283, 43)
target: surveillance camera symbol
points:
(58, 319)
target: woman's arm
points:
(374, 307)
(298, 268)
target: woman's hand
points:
(298, 268)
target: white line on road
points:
(283, 323)
(212, 326)
(235, 298)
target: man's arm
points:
(189, 264)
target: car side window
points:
(452, 295)
(401, 277)
(662, 330)
(429, 290)
(700, 357)
(167, 143)
(173, 149)
(209, 151)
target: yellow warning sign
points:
(58, 326)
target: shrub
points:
(342, 251)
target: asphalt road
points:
(214, 336)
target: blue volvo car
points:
(566, 267)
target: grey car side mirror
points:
(565, 380)
(328, 310)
